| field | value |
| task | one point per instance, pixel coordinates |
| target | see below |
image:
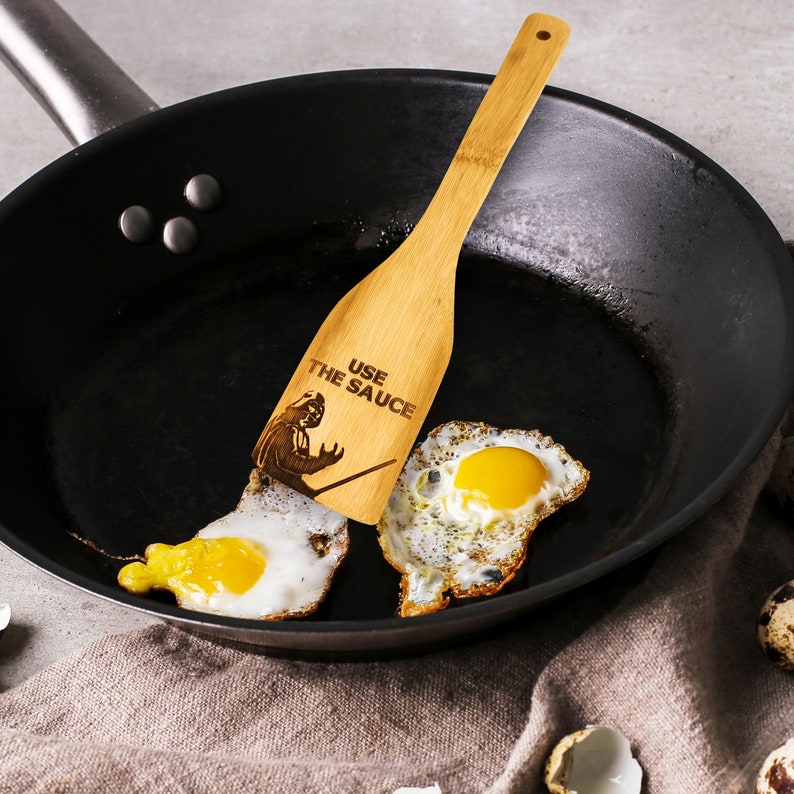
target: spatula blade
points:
(351, 412)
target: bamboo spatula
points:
(347, 420)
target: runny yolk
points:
(206, 565)
(502, 477)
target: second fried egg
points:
(464, 507)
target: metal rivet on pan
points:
(180, 235)
(137, 224)
(203, 192)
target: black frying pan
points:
(619, 291)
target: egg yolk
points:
(205, 565)
(502, 477)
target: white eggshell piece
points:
(5, 616)
(596, 760)
(777, 772)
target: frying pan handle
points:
(70, 76)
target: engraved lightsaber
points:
(356, 476)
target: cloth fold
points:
(664, 650)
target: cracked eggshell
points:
(5, 616)
(776, 626)
(777, 772)
(596, 760)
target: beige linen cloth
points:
(664, 650)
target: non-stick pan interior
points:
(618, 291)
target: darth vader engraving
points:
(283, 451)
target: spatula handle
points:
(493, 130)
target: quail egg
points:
(776, 775)
(775, 626)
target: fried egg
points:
(464, 507)
(272, 557)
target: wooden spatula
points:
(348, 418)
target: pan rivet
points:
(180, 235)
(137, 224)
(203, 192)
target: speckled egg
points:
(777, 772)
(776, 626)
